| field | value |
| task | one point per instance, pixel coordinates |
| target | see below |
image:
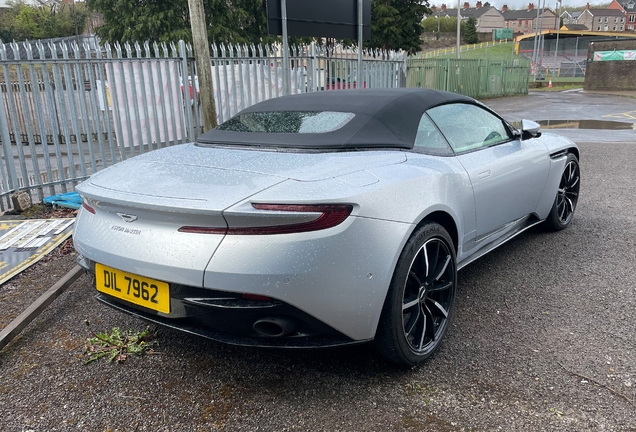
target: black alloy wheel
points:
(418, 307)
(567, 195)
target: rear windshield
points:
(297, 122)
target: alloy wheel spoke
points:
(569, 205)
(420, 265)
(410, 304)
(424, 325)
(440, 287)
(426, 266)
(573, 182)
(561, 209)
(442, 269)
(570, 171)
(413, 323)
(430, 329)
(439, 308)
(417, 279)
(433, 258)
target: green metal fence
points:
(475, 78)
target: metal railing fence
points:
(243, 75)
(565, 57)
(65, 117)
(67, 111)
(474, 78)
(439, 52)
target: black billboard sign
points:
(326, 18)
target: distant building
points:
(570, 17)
(629, 9)
(525, 21)
(603, 20)
(488, 18)
(574, 27)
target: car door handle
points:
(483, 175)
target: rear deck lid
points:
(214, 178)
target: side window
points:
(469, 127)
(429, 139)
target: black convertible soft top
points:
(383, 118)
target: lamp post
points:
(556, 50)
(437, 18)
(542, 37)
(459, 20)
(534, 51)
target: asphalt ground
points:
(543, 338)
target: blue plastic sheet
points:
(70, 200)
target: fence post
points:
(402, 82)
(5, 135)
(504, 79)
(312, 67)
(6, 143)
(185, 79)
(447, 74)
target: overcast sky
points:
(518, 4)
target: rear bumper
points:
(232, 319)
(333, 281)
(236, 330)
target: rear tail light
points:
(202, 230)
(88, 208)
(329, 216)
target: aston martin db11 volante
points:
(322, 219)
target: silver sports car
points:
(322, 219)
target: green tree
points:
(470, 35)
(396, 24)
(7, 19)
(235, 21)
(20, 22)
(138, 21)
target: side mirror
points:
(530, 129)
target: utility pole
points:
(534, 50)
(558, 26)
(360, 18)
(204, 67)
(459, 21)
(286, 71)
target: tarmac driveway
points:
(543, 338)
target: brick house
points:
(524, 21)
(488, 18)
(570, 17)
(629, 9)
(603, 20)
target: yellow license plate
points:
(133, 288)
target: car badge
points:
(127, 217)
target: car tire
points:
(567, 196)
(420, 299)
